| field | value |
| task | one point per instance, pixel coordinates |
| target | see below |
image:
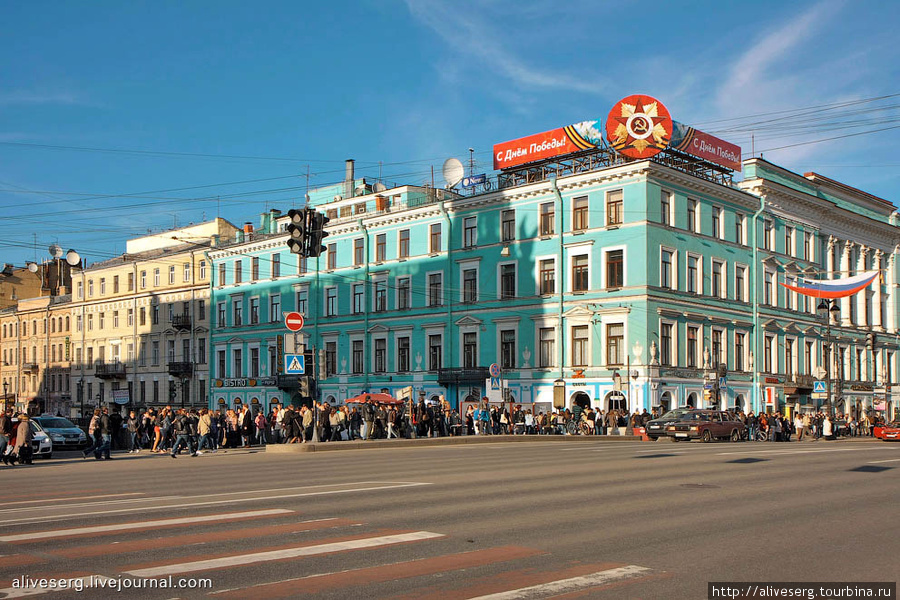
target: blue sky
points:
(105, 106)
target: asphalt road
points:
(598, 519)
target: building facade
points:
(628, 285)
(141, 321)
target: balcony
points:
(457, 375)
(181, 369)
(30, 367)
(182, 322)
(113, 370)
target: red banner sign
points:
(706, 146)
(565, 140)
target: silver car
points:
(64, 434)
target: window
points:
(220, 363)
(302, 265)
(718, 290)
(302, 296)
(508, 225)
(717, 357)
(404, 293)
(380, 247)
(767, 354)
(331, 256)
(380, 296)
(508, 348)
(202, 269)
(358, 298)
(665, 344)
(580, 213)
(470, 350)
(154, 356)
(237, 312)
(274, 308)
(768, 235)
(435, 292)
(357, 357)
(276, 265)
(665, 207)
(358, 252)
(807, 245)
(100, 320)
(220, 317)
(90, 288)
(507, 281)
(580, 273)
(692, 220)
(201, 351)
(254, 268)
(789, 240)
(692, 274)
(380, 355)
(717, 222)
(79, 290)
(330, 301)
(330, 358)
(237, 363)
(789, 357)
(156, 277)
(403, 354)
(547, 276)
(470, 285)
(615, 344)
(739, 345)
(768, 288)
(470, 232)
(692, 333)
(115, 318)
(102, 286)
(740, 278)
(614, 208)
(547, 225)
(222, 278)
(547, 340)
(580, 346)
(434, 352)
(615, 269)
(238, 271)
(116, 284)
(739, 224)
(434, 238)
(78, 323)
(171, 312)
(665, 269)
(403, 251)
(254, 311)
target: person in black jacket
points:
(182, 427)
(104, 425)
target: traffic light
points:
(304, 387)
(172, 393)
(298, 229)
(317, 222)
(323, 365)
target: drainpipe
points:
(562, 270)
(451, 392)
(367, 297)
(754, 285)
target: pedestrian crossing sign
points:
(294, 364)
(819, 387)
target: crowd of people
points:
(15, 439)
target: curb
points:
(442, 441)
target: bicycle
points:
(579, 428)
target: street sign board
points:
(293, 321)
(495, 370)
(722, 382)
(294, 364)
(819, 387)
(495, 383)
(820, 395)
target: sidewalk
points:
(442, 441)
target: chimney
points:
(213, 241)
(248, 231)
(348, 178)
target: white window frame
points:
(537, 273)
(673, 276)
(500, 265)
(463, 267)
(723, 278)
(698, 284)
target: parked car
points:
(41, 444)
(888, 432)
(707, 425)
(657, 427)
(63, 432)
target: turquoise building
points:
(634, 285)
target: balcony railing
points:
(181, 321)
(178, 369)
(109, 370)
(30, 367)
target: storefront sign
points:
(121, 396)
(245, 382)
(861, 387)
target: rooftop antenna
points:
(471, 162)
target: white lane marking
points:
(875, 462)
(57, 533)
(796, 451)
(258, 557)
(74, 498)
(565, 586)
(191, 504)
(80, 504)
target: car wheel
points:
(707, 436)
(735, 436)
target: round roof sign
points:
(639, 126)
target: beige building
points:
(140, 321)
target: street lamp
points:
(5, 400)
(828, 308)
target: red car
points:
(891, 431)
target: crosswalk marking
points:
(286, 553)
(59, 533)
(66, 498)
(573, 584)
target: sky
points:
(123, 118)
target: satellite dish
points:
(379, 187)
(360, 190)
(32, 267)
(55, 251)
(72, 258)
(453, 172)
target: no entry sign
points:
(293, 321)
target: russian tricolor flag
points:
(834, 288)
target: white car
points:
(41, 444)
